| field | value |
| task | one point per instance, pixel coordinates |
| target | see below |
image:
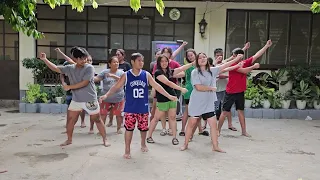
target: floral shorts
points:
(130, 120)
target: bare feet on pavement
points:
(127, 156)
(106, 144)
(91, 132)
(184, 147)
(66, 143)
(144, 149)
(119, 131)
(246, 134)
(218, 150)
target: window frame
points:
(151, 14)
(3, 47)
(288, 43)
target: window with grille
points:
(97, 29)
(9, 39)
(295, 36)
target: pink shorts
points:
(117, 108)
(130, 120)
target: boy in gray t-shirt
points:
(84, 95)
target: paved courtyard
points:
(278, 150)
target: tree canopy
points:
(21, 14)
(315, 8)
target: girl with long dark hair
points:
(190, 57)
(203, 96)
(163, 76)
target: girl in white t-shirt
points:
(203, 79)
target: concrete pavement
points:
(278, 150)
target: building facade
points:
(293, 29)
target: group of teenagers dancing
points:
(211, 86)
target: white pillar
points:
(27, 49)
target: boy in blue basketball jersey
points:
(136, 108)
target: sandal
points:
(169, 132)
(175, 141)
(182, 133)
(204, 133)
(232, 128)
(163, 132)
(150, 140)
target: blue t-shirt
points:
(136, 92)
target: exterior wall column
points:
(27, 49)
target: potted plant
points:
(275, 100)
(301, 94)
(286, 100)
(257, 101)
(267, 94)
(249, 95)
(34, 96)
(51, 94)
(315, 93)
(285, 84)
(276, 77)
(59, 94)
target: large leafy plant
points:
(315, 8)
(276, 77)
(302, 92)
(287, 96)
(273, 96)
(21, 14)
(315, 93)
(296, 74)
(275, 100)
(257, 101)
(53, 92)
(251, 93)
(39, 68)
(34, 94)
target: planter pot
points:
(247, 103)
(316, 104)
(266, 104)
(31, 108)
(22, 107)
(285, 104)
(44, 108)
(285, 88)
(55, 108)
(301, 104)
(59, 100)
(64, 108)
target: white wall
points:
(27, 49)
(214, 36)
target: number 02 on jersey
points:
(138, 93)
